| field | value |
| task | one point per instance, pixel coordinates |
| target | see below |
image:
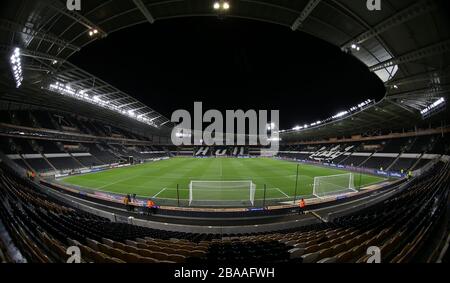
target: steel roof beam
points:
(17, 28)
(151, 120)
(141, 6)
(38, 55)
(404, 107)
(118, 99)
(420, 92)
(140, 108)
(162, 124)
(147, 113)
(97, 88)
(399, 18)
(307, 10)
(80, 81)
(430, 51)
(108, 94)
(128, 104)
(426, 76)
(82, 20)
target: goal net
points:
(332, 185)
(221, 193)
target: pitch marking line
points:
(113, 183)
(159, 192)
(281, 192)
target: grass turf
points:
(159, 179)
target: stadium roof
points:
(406, 44)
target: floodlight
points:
(16, 67)
(226, 6)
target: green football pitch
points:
(159, 179)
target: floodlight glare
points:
(82, 94)
(16, 67)
(216, 6)
(226, 6)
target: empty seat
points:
(310, 258)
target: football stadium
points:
(224, 132)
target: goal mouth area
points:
(222, 193)
(333, 185)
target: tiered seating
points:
(404, 164)
(102, 154)
(441, 145)
(23, 146)
(354, 160)
(88, 161)
(396, 145)
(379, 162)
(396, 154)
(23, 118)
(42, 227)
(64, 163)
(50, 155)
(43, 118)
(33, 158)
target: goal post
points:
(332, 185)
(221, 193)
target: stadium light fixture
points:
(340, 114)
(351, 110)
(271, 126)
(93, 32)
(16, 67)
(221, 5)
(356, 47)
(436, 104)
(67, 90)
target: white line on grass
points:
(163, 189)
(113, 183)
(281, 192)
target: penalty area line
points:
(281, 192)
(163, 189)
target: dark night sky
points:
(230, 64)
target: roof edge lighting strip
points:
(67, 90)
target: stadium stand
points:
(43, 227)
(58, 154)
(58, 120)
(395, 154)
